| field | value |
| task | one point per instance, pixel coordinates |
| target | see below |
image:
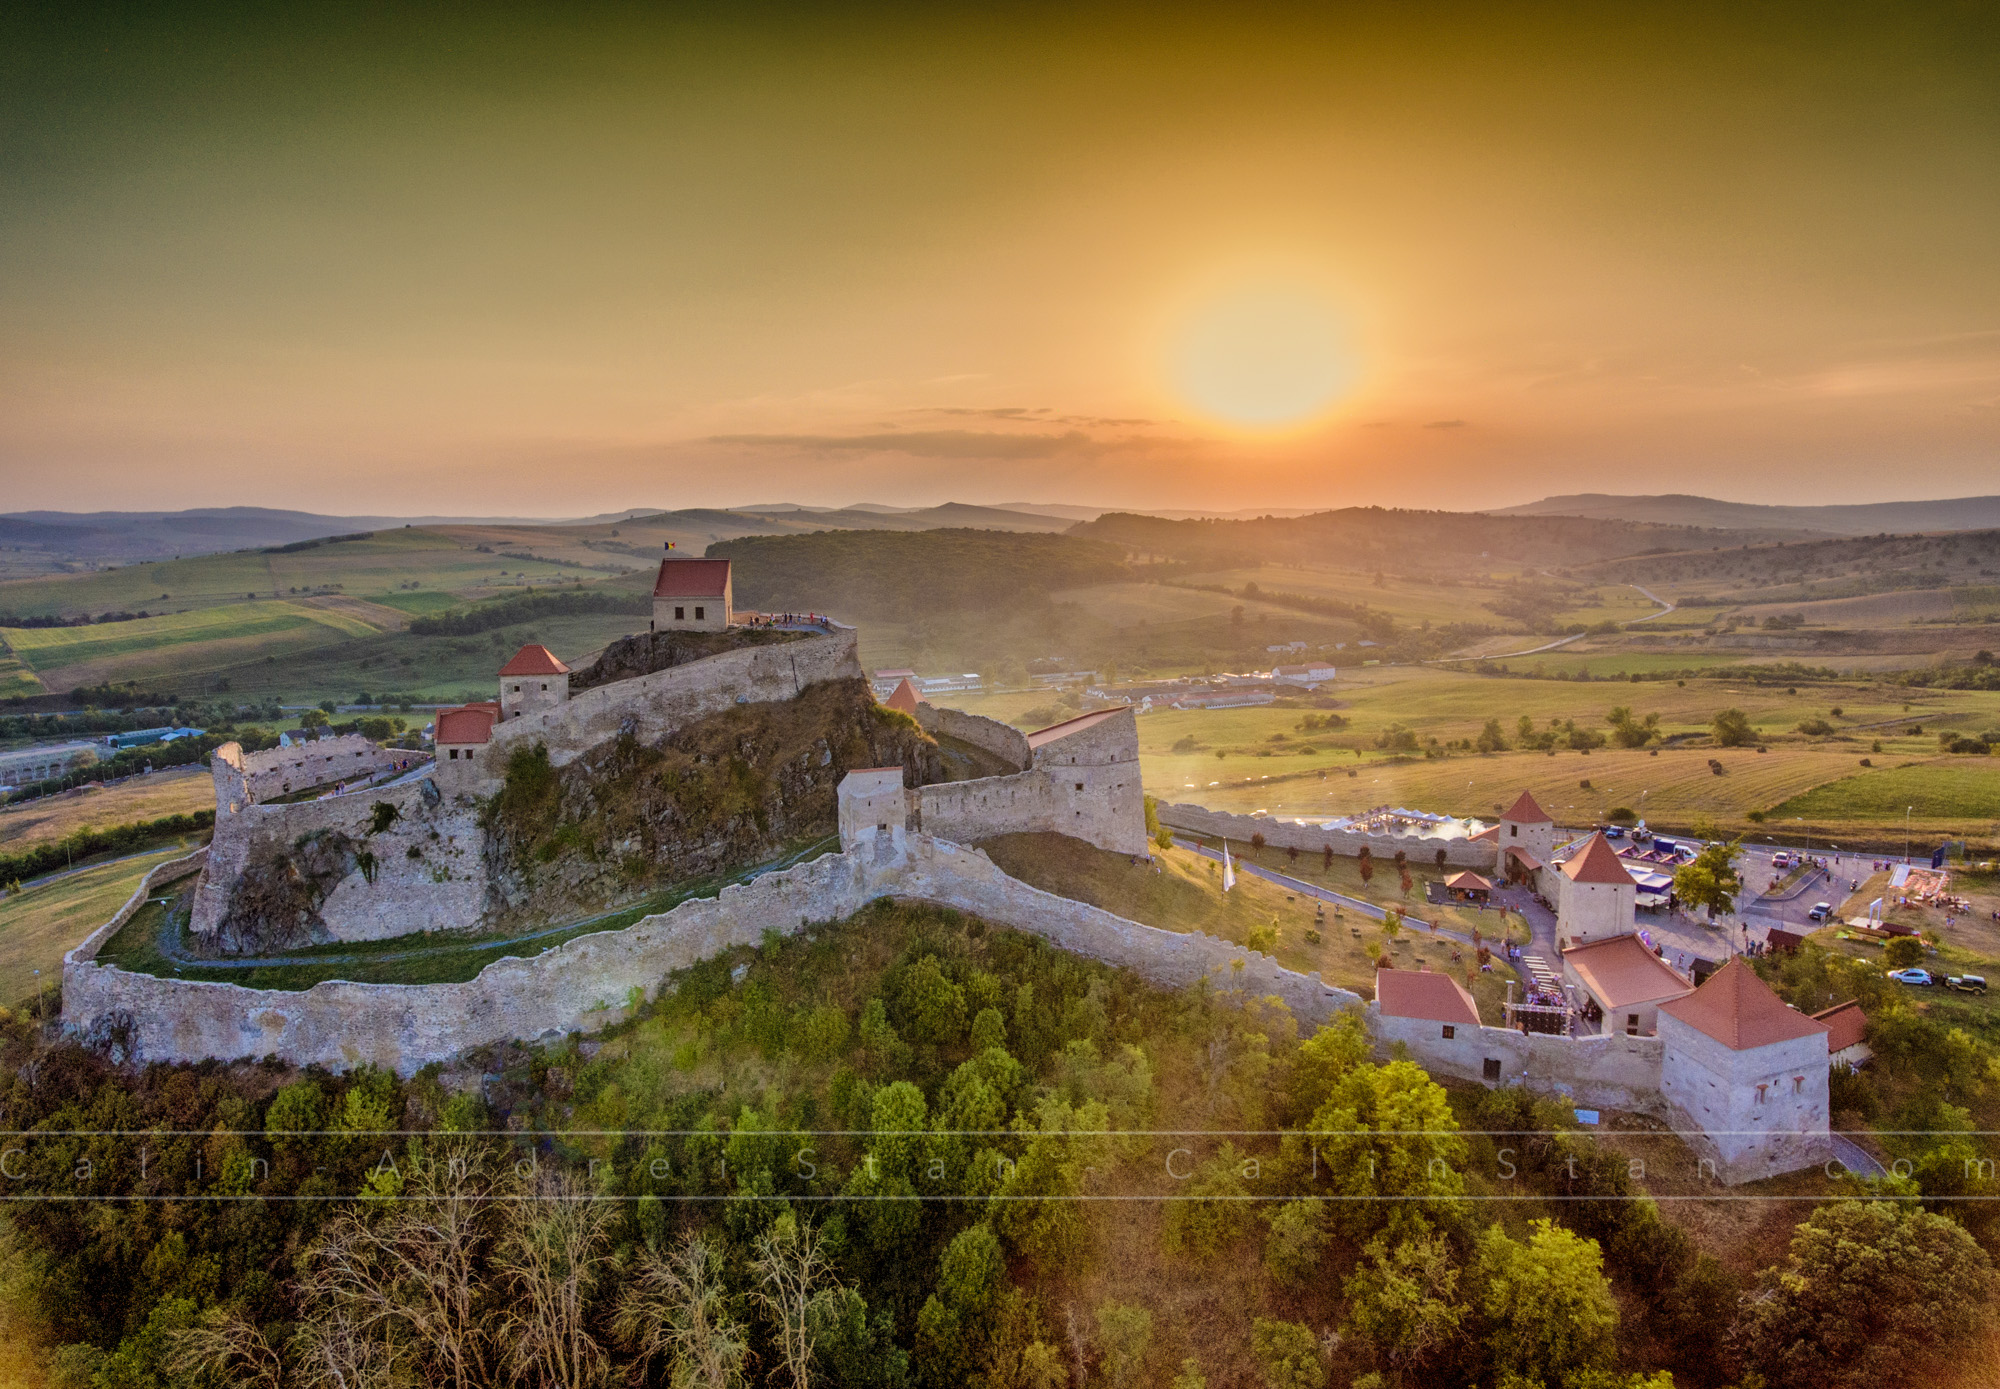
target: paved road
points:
(46, 878)
(1855, 1158)
(1665, 606)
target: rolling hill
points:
(1957, 514)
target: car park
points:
(1920, 978)
(1821, 911)
(1966, 983)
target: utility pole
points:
(1906, 835)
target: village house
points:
(532, 681)
(692, 595)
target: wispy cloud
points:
(926, 443)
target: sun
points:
(1262, 357)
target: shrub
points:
(1289, 1354)
(1622, 815)
(1904, 952)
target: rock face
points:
(721, 792)
(275, 904)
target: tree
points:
(1292, 1250)
(676, 1310)
(1366, 862)
(1403, 1300)
(1549, 1305)
(1289, 1354)
(1630, 732)
(552, 1256)
(1124, 1333)
(1868, 1294)
(1732, 729)
(1904, 952)
(1387, 1132)
(1491, 739)
(313, 718)
(792, 1274)
(1711, 880)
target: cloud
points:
(1445, 424)
(958, 443)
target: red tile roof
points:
(1522, 856)
(691, 578)
(1527, 812)
(1621, 972)
(534, 660)
(1467, 881)
(1490, 832)
(1739, 1010)
(904, 698)
(1409, 993)
(470, 723)
(1846, 1022)
(1598, 863)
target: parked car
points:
(1921, 978)
(1614, 832)
(1781, 860)
(1821, 911)
(1967, 983)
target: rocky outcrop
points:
(647, 653)
(275, 901)
(715, 795)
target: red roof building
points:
(905, 698)
(1739, 1010)
(466, 725)
(1425, 997)
(1598, 863)
(534, 659)
(1526, 811)
(1846, 1025)
(692, 578)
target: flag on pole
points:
(1228, 868)
(670, 544)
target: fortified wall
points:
(585, 983)
(650, 707)
(1616, 1072)
(1459, 852)
(1082, 779)
(422, 870)
(320, 762)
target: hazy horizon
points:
(370, 262)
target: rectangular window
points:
(454, 754)
(700, 614)
(680, 614)
(1631, 1024)
(1449, 1032)
(1493, 1068)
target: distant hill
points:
(1870, 518)
(1403, 542)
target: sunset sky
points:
(333, 259)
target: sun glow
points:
(1263, 357)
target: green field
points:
(38, 925)
(1947, 790)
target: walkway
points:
(1855, 1158)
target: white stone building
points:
(1595, 897)
(692, 595)
(532, 681)
(1748, 1073)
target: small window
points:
(454, 754)
(1513, 831)
(1760, 1093)
(517, 689)
(700, 614)
(1631, 1024)
(1798, 1085)
(1079, 786)
(1492, 1069)
(1449, 1032)
(545, 684)
(680, 614)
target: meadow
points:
(39, 924)
(177, 791)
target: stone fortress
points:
(1740, 1074)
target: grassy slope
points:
(39, 925)
(1186, 895)
(178, 791)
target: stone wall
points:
(653, 706)
(1004, 741)
(585, 983)
(1285, 834)
(276, 771)
(1616, 1072)
(442, 887)
(171, 871)
(1086, 785)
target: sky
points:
(565, 260)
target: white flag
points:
(1228, 869)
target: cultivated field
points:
(178, 791)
